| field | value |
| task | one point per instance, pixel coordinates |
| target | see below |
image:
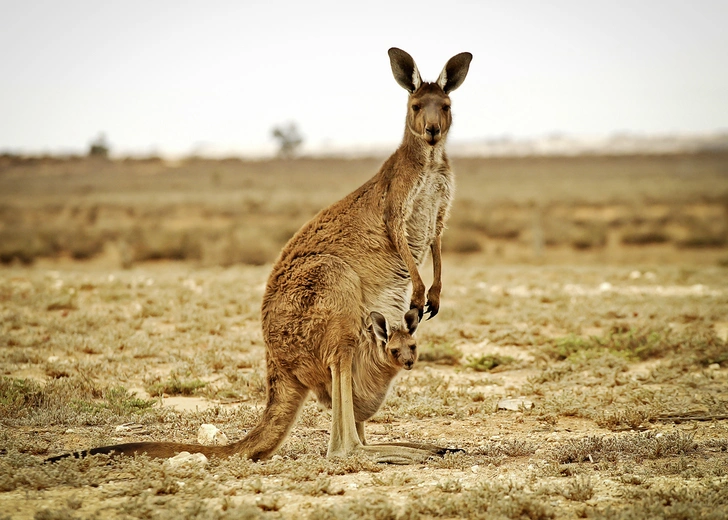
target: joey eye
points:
(413, 348)
(395, 351)
(445, 108)
(415, 108)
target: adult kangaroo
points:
(358, 255)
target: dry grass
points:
(602, 378)
(608, 340)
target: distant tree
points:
(289, 139)
(99, 147)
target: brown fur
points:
(360, 253)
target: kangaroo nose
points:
(408, 365)
(433, 130)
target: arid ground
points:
(590, 291)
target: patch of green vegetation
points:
(17, 395)
(175, 386)
(23, 397)
(67, 400)
(489, 362)
(119, 401)
(702, 347)
(440, 353)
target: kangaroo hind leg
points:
(285, 398)
(346, 435)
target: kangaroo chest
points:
(429, 205)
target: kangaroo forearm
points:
(395, 229)
(436, 251)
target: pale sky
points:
(175, 77)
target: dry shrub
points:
(456, 241)
(373, 507)
(629, 417)
(588, 235)
(707, 501)
(483, 501)
(637, 236)
(579, 489)
(641, 446)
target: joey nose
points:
(433, 130)
(408, 365)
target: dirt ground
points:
(626, 367)
(590, 291)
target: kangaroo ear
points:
(379, 325)
(404, 70)
(453, 75)
(412, 320)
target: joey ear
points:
(379, 325)
(454, 72)
(404, 70)
(412, 320)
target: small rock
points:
(129, 427)
(475, 468)
(186, 458)
(515, 405)
(714, 366)
(210, 435)
(605, 286)
(634, 275)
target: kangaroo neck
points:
(417, 151)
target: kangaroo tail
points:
(285, 397)
(151, 449)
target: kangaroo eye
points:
(445, 108)
(415, 108)
(395, 351)
(413, 348)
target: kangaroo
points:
(362, 252)
(384, 352)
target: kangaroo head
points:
(428, 108)
(399, 345)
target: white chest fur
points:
(429, 203)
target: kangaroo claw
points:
(431, 310)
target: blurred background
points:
(210, 132)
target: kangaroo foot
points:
(405, 452)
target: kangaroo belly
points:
(367, 404)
